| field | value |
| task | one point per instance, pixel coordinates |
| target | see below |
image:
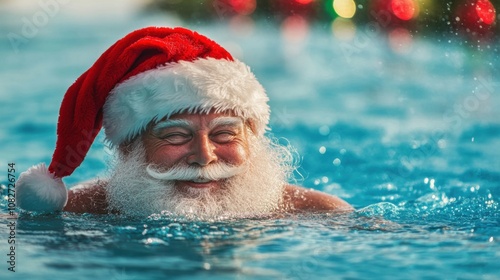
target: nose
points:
(203, 151)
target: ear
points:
(127, 147)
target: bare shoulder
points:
(87, 197)
(301, 199)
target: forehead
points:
(200, 119)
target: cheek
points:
(161, 154)
(234, 154)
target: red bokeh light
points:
(243, 7)
(295, 28)
(485, 11)
(395, 13)
(304, 2)
(400, 40)
(284, 8)
(475, 18)
(403, 9)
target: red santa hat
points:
(150, 74)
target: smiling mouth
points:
(198, 183)
(200, 180)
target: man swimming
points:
(187, 122)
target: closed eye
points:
(177, 138)
(223, 136)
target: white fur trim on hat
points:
(198, 86)
(39, 190)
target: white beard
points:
(253, 190)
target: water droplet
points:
(331, 187)
(390, 187)
(324, 179)
(322, 150)
(336, 162)
(442, 143)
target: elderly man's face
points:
(197, 140)
(201, 165)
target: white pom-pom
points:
(39, 190)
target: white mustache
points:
(212, 172)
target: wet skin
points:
(200, 140)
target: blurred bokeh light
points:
(403, 9)
(345, 8)
(470, 19)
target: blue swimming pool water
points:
(410, 139)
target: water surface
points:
(410, 139)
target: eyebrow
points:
(172, 123)
(223, 121)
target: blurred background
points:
(472, 19)
(387, 94)
(393, 105)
